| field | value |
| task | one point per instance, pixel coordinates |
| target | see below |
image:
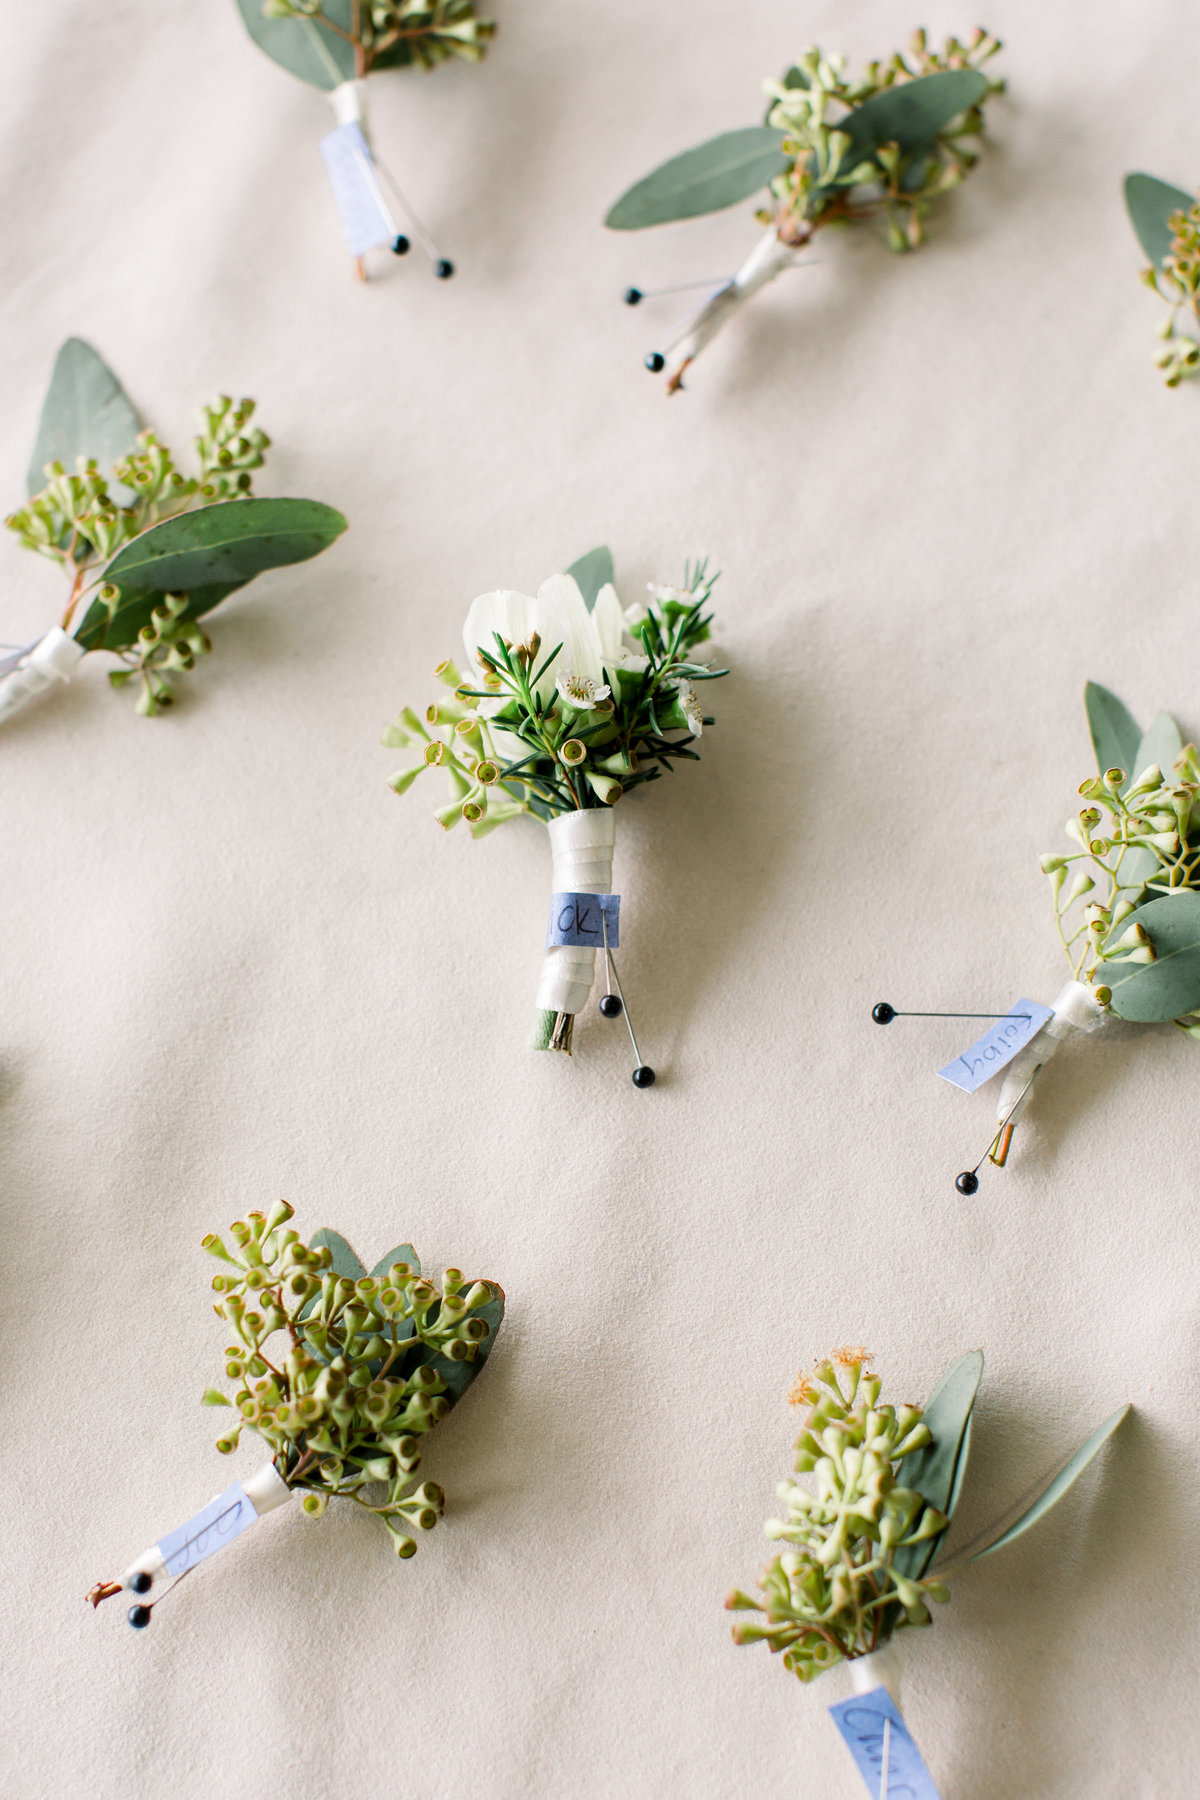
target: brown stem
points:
(103, 1590)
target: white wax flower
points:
(591, 641)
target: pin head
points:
(655, 362)
(643, 1076)
(610, 1007)
(967, 1182)
(139, 1617)
(883, 1014)
(142, 1582)
(632, 296)
(443, 269)
(400, 245)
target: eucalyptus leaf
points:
(1116, 735)
(910, 116)
(707, 179)
(86, 412)
(592, 572)
(1161, 744)
(934, 1471)
(345, 1262)
(302, 46)
(402, 1253)
(206, 554)
(1169, 987)
(1150, 203)
(1065, 1479)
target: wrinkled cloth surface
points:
(944, 490)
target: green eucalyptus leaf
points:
(402, 1253)
(707, 179)
(206, 554)
(86, 412)
(592, 572)
(1169, 987)
(935, 1471)
(1116, 735)
(302, 46)
(910, 115)
(345, 1262)
(1065, 1479)
(1150, 203)
(1161, 744)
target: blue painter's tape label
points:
(997, 1047)
(355, 183)
(214, 1526)
(884, 1753)
(579, 919)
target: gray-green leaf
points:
(458, 1376)
(402, 1253)
(938, 1470)
(86, 412)
(592, 572)
(345, 1262)
(206, 554)
(1116, 735)
(1065, 1478)
(303, 47)
(1150, 203)
(1169, 987)
(910, 115)
(707, 179)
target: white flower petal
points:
(505, 611)
(609, 621)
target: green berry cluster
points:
(1159, 815)
(361, 1376)
(815, 189)
(393, 33)
(1177, 282)
(835, 1592)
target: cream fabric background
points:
(944, 491)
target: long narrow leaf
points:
(935, 1470)
(1116, 734)
(1065, 1479)
(86, 412)
(1150, 203)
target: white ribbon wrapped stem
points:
(53, 658)
(581, 849)
(349, 103)
(881, 1668)
(1075, 1009)
(769, 258)
(265, 1490)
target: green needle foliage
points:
(146, 548)
(342, 1373)
(1167, 222)
(860, 1540)
(507, 750)
(1127, 898)
(326, 42)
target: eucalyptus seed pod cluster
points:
(372, 1363)
(836, 1591)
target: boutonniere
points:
(146, 550)
(833, 151)
(861, 1553)
(572, 701)
(342, 1374)
(336, 45)
(1167, 222)
(1127, 905)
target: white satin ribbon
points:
(53, 658)
(581, 848)
(1075, 1009)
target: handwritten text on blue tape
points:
(861, 1722)
(355, 183)
(998, 1046)
(579, 919)
(214, 1526)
